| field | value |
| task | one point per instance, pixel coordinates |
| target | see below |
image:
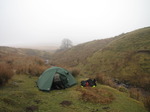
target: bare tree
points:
(66, 43)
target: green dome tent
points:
(45, 81)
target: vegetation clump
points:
(31, 108)
(6, 73)
(106, 80)
(75, 72)
(147, 102)
(96, 95)
(66, 103)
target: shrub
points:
(38, 61)
(6, 73)
(100, 78)
(75, 72)
(30, 65)
(122, 89)
(147, 102)
(103, 79)
(36, 70)
(21, 69)
(135, 93)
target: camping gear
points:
(46, 80)
(83, 83)
(57, 82)
(88, 83)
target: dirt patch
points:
(9, 101)
(66, 103)
(31, 108)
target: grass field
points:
(22, 95)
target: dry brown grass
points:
(75, 72)
(37, 70)
(32, 69)
(122, 89)
(103, 79)
(96, 95)
(135, 93)
(30, 65)
(5, 73)
(20, 64)
(146, 102)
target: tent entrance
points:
(58, 82)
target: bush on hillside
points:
(75, 72)
(135, 93)
(30, 65)
(21, 69)
(103, 79)
(122, 89)
(6, 73)
(147, 102)
(33, 69)
(36, 70)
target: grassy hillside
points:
(18, 61)
(22, 95)
(79, 54)
(126, 58)
(24, 52)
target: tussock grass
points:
(135, 93)
(106, 80)
(74, 71)
(6, 73)
(13, 63)
(147, 102)
(96, 95)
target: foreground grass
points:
(22, 95)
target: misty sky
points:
(30, 22)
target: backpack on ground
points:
(88, 83)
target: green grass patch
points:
(22, 95)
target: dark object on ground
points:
(58, 85)
(31, 108)
(88, 83)
(105, 108)
(37, 101)
(95, 110)
(66, 103)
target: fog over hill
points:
(28, 22)
(41, 47)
